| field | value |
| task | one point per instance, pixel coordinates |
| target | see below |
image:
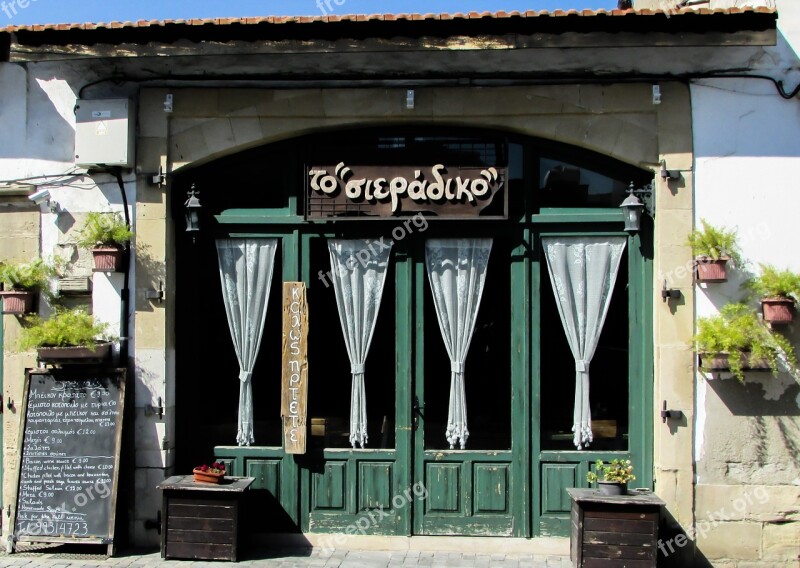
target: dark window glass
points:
(329, 366)
(608, 389)
(488, 365)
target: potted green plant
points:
(22, 282)
(612, 478)
(778, 291)
(69, 336)
(106, 235)
(736, 340)
(713, 247)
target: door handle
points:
(417, 411)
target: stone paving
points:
(286, 559)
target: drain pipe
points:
(124, 323)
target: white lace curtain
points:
(359, 273)
(457, 273)
(583, 271)
(245, 270)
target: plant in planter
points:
(106, 235)
(612, 478)
(22, 282)
(736, 340)
(778, 291)
(713, 247)
(209, 474)
(69, 336)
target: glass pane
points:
(563, 184)
(488, 366)
(329, 366)
(208, 386)
(608, 389)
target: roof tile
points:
(384, 17)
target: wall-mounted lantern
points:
(632, 208)
(193, 207)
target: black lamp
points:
(633, 207)
(193, 211)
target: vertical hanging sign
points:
(294, 385)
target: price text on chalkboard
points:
(71, 436)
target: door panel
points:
(474, 491)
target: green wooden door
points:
(482, 490)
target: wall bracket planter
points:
(709, 270)
(778, 311)
(75, 355)
(18, 302)
(716, 363)
(108, 259)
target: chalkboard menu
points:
(71, 431)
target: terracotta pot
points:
(75, 355)
(107, 259)
(612, 488)
(778, 311)
(17, 301)
(206, 476)
(709, 270)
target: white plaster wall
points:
(747, 158)
(38, 125)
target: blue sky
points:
(20, 12)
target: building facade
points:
(433, 181)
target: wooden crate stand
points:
(614, 532)
(200, 521)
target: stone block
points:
(151, 377)
(757, 503)
(150, 154)
(739, 541)
(196, 103)
(781, 543)
(153, 121)
(155, 458)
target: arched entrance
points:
(519, 371)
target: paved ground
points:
(286, 559)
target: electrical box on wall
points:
(105, 132)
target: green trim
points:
(569, 215)
(2, 398)
(520, 482)
(534, 343)
(404, 435)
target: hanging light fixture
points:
(632, 208)
(193, 211)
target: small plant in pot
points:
(213, 473)
(713, 247)
(778, 291)
(106, 235)
(612, 478)
(736, 340)
(68, 336)
(22, 282)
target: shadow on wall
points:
(42, 133)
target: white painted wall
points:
(747, 159)
(37, 115)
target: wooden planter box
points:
(201, 520)
(75, 355)
(778, 311)
(108, 259)
(718, 363)
(709, 270)
(18, 301)
(614, 532)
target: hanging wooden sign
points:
(294, 386)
